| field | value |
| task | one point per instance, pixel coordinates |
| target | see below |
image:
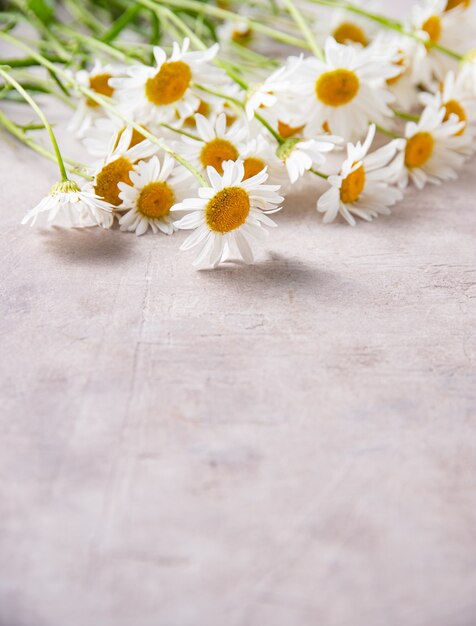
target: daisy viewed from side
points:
(433, 149)
(118, 165)
(155, 188)
(215, 143)
(343, 93)
(299, 156)
(168, 90)
(227, 212)
(81, 207)
(456, 98)
(102, 138)
(363, 186)
(88, 110)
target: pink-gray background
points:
(289, 444)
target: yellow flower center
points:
(106, 180)
(337, 87)
(432, 26)
(217, 151)
(136, 137)
(353, 185)
(453, 107)
(155, 200)
(452, 4)
(253, 166)
(169, 84)
(288, 131)
(203, 109)
(348, 32)
(228, 209)
(419, 149)
(100, 84)
(241, 36)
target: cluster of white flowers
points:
(184, 143)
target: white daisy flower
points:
(155, 189)
(343, 93)
(451, 29)
(236, 32)
(258, 154)
(168, 90)
(299, 156)
(81, 207)
(216, 143)
(457, 100)
(402, 52)
(87, 110)
(118, 164)
(227, 212)
(433, 149)
(362, 188)
(274, 89)
(102, 137)
(345, 27)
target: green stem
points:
(297, 16)
(406, 116)
(41, 115)
(387, 132)
(318, 173)
(202, 7)
(17, 132)
(121, 23)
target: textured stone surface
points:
(287, 444)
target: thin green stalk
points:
(202, 7)
(387, 132)
(41, 115)
(406, 116)
(318, 173)
(121, 23)
(297, 16)
(94, 43)
(17, 132)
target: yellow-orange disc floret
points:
(169, 84)
(227, 210)
(337, 87)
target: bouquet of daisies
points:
(204, 116)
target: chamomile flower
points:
(362, 188)
(81, 207)
(431, 20)
(345, 27)
(259, 154)
(155, 188)
(403, 53)
(275, 89)
(168, 90)
(117, 166)
(102, 137)
(235, 32)
(227, 212)
(457, 100)
(88, 110)
(215, 143)
(433, 149)
(345, 92)
(299, 156)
